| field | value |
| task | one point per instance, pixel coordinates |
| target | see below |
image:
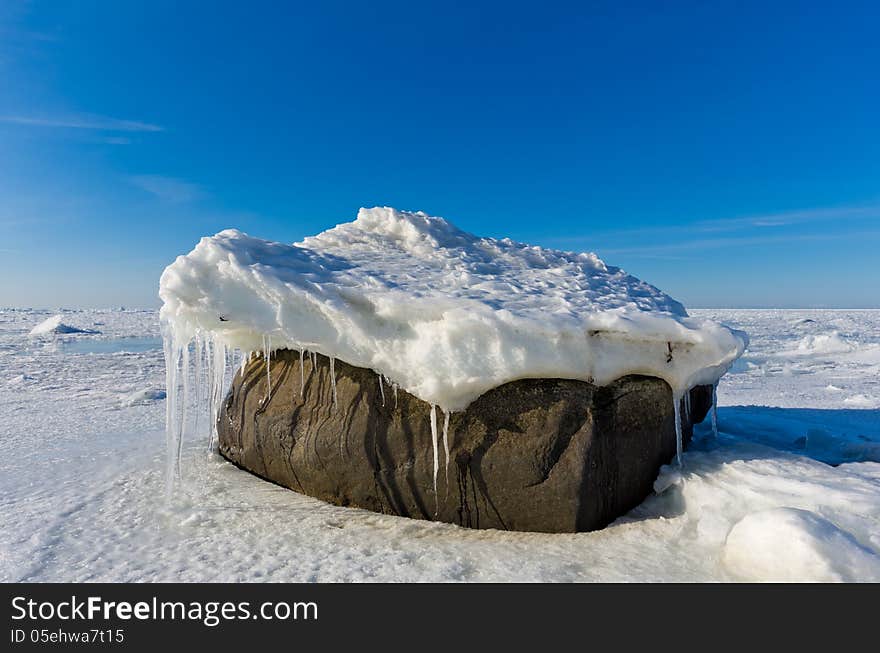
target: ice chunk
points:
(668, 477)
(445, 314)
(143, 397)
(824, 343)
(861, 400)
(55, 325)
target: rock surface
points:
(547, 455)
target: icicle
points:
(197, 386)
(217, 375)
(381, 389)
(676, 401)
(267, 353)
(394, 387)
(687, 406)
(302, 373)
(436, 455)
(314, 356)
(446, 448)
(715, 410)
(333, 381)
(173, 426)
(183, 407)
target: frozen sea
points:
(789, 490)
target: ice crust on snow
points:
(439, 312)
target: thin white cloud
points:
(96, 123)
(168, 189)
(734, 241)
(768, 221)
(786, 218)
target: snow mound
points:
(794, 545)
(54, 325)
(444, 314)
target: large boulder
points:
(548, 455)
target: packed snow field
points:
(82, 485)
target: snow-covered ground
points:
(82, 485)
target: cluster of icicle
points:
(196, 373)
(677, 401)
(199, 372)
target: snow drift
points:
(442, 313)
(794, 545)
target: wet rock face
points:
(546, 455)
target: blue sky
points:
(726, 152)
